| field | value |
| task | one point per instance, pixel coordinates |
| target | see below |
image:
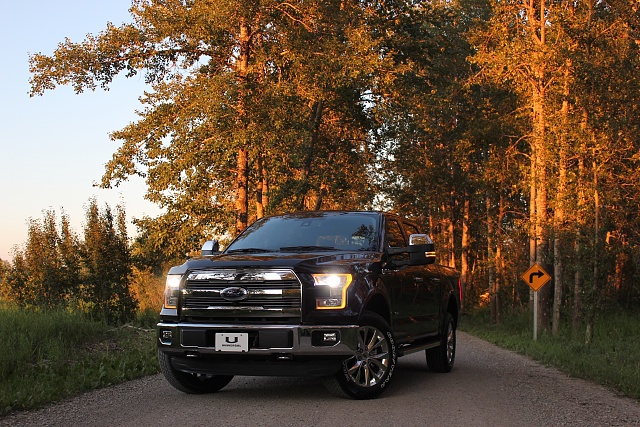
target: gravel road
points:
(488, 386)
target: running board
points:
(411, 349)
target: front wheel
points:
(191, 383)
(366, 374)
(441, 358)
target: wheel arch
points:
(378, 304)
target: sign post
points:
(536, 277)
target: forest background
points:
(508, 130)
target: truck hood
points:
(295, 261)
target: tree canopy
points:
(508, 129)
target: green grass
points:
(50, 355)
(613, 359)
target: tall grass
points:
(48, 355)
(613, 359)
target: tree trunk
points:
(242, 160)
(464, 262)
(313, 127)
(500, 268)
(541, 201)
(491, 272)
(532, 218)
(593, 306)
(264, 183)
(578, 279)
(260, 191)
(452, 243)
(242, 181)
(559, 210)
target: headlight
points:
(338, 285)
(172, 291)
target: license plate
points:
(238, 342)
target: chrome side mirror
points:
(210, 247)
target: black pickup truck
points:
(333, 294)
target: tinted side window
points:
(410, 229)
(395, 238)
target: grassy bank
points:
(50, 355)
(613, 359)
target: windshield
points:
(309, 232)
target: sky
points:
(53, 148)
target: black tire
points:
(367, 373)
(441, 358)
(191, 383)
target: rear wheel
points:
(441, 358)
(191, 383)
(366, 374)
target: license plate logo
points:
(232, 342)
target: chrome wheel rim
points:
(371, 360)
(451, 344)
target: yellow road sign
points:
(536, 277)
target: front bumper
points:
(274, 350)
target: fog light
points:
(166, 336)
(330, 337)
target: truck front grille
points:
(235, 293)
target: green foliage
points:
(46, 273)
(463, 115)
(289, 84)
(612, 360)
(57, 269)
(55, 354)
(107, 266)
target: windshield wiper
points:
(306, 248)
(248, 251)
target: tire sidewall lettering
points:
(393, 360)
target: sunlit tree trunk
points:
(532, 217)
(452, 244)
(242, 158)
(539, 100)
(260, 190)
(464, 262)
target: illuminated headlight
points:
(172, 291)
(337, 285)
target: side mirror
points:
(426, 250)
(210, 247)
(421, 251)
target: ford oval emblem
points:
(234, 294)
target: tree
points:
(268, 95)
(106, 265)
(5, 268)
(492, 123)
(45, 273)
(559, 57)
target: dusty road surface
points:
(488, 387)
